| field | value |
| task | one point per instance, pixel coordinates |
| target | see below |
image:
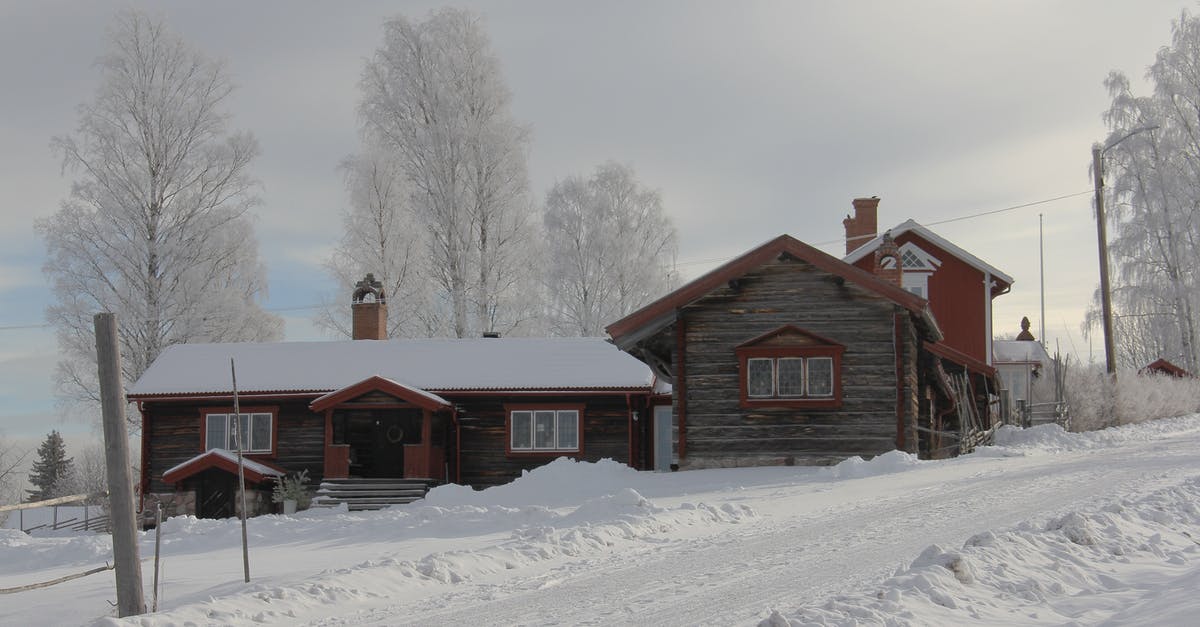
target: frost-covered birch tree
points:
(610, 249)
(1154, 180)
(434, 99)
(156, 228)
(382, 236)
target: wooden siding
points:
(720, 433)
(483, 437)
(174, 432)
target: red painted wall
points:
(955, 297)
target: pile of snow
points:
(562, 482)
(1054, 439)
(1133, 560)
(858, 468)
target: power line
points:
(957, 219)
(693, 262)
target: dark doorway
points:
(376, 438)
(215, 494)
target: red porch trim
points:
(962, 359)
(416, 396)
(222, 460)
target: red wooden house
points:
(362, 413)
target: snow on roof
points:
(1018, 351)
(429, 364)
(249, 464)
(934, 238)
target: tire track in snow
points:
(738, 575)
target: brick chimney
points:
(887, 261)
(369, 310)
(863, 226)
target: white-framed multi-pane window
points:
(537, 430)
(789, 377)
(256, 429)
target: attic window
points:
(911, 260)
(790, 367)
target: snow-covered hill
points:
(1045, 528)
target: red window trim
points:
(825, 348)
(254, 409)
(508, 411)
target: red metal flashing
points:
(740, 266)
(962, 359)
(417, 397)
(214, 459)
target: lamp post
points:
(1098, 150)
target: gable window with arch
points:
(544, 429)
(790, 367)
(257, 428)
(918, 265)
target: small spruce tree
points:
(52, 471)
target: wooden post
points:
(237, 431)
(157, 549)
(130, 601)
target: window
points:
(543, 430)
(257, 430)
(789, 377)
(790, 367)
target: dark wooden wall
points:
(721, 433)
(174, 432)
(485, 462)
(174, 429)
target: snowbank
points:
(1134, 560)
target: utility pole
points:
(1042, 280)
(1110, 363)
(128, 566)
(1110, 359)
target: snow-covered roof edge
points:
(938, 240)
(248, 463)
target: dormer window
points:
(790, 367)
(918, 265)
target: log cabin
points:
(372, 417)
(788, 355)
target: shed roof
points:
(1018, 352)
(427, 364)
(255, 471)
(660, 313)
(912, 226)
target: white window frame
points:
(229, 444)
(530, 415)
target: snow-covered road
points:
(810, 541)
(601, 544)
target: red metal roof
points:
(416, 396)
(960, 358)
(256, 471)
(740, 266)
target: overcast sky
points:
(751, 118)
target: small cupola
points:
(368, 307)
(1025, 335)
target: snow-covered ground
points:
(1045, 528)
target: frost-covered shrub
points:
(1137, 398)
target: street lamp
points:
(1098, 150)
